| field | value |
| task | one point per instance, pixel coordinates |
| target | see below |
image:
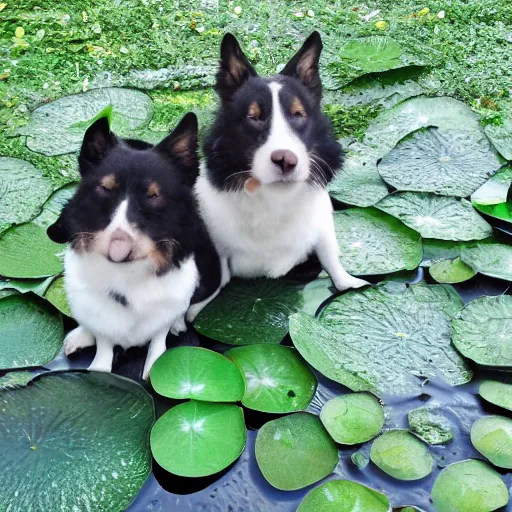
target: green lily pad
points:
(37, 286)
(58, 127)
(374, 53)
(256, 310)
(443, 218)
(501, 211)
(429, 424)
(501, 137)
(435, 251)
(353, 419)
(482, 331)
(451, 271)
(344, 496)
(493, 260)
(198, 374)
(56, 295)
(31, 334)
(197, 439)
(295, 451)
(277, 379)
(492, 437)
(373, 242)
(402, 455)
(53, 207)
(384, 339)
(469, 486)
(497, 393)
(23, 190)
(14, 380)
(60, 447)
(495, 190)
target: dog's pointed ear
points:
(57, 232)
(234, 67)
(98, 141)
(304, 64)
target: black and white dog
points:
(269, 156)
(139, 253)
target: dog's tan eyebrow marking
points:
(109, 182)
(297, 108)
(153, 189)
(254, 111)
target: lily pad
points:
(277, 378)
(501, 137)
(492, 437)
(53, 207)
(23, 190)
(497, 393)
(451, 271)
(374, 53)
(295, 451)
(197, 373)
(60, 448)
(373, 242)
(256, 310)
(501, 211)
(14, 380)
(429, 424)
(384, 339)
(443, 218)
(197, 439)
(469, 486)
(495, 190)
(402, 455)
(353, 419)
(58, 127)
(344, 496)
(493, 260)
(56, 295)
(482, 331)
(31, 334)
(37, 286)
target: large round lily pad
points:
(58, 127)
(197, 373)
(493, 260)
(198, 439)
(402, 455)
(295, 451)
(374, 53)
(444, 218)
(344, 496)
(497, 393)
(354, 418)
(469, 486)
(385, 339)
(451, 271)
(492, 437)
(277, 378)
(482, 331)
(30, 334)
(373, 242)
(74, 442)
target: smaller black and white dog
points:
(139, 253)
(269, 157)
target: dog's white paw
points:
(350, 282)
(76, 339)
(178, 326)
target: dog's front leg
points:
(157, 347)
(102, 361)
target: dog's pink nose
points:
(121, 244)
(286, 159)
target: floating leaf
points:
(37, 286)
(295, 451)
(430, 424)
(31, 334)
(14, 380)
(495, 190)
(493, 260)
(373, 242)
(501, 137)
(501, 211)
(469, 486)
(451, 271)
(497, 393)
(56, 295)
(354, 418)
(492, 437)
(198, 439)
(374, 53)
(53, 207)
(277, 379)
(402, 455)
(197, 373)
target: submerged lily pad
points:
(469, 486)
(58, 127)
(56, 295)
(385, 339)
(501, 137)
(497, 393)
(429, 424)
(492, 437)
(14, 380)
(482, 331)
(197, 373)
(344, 496)
(402, 455)
(451, 271)
(31, 334)
(59, 447)
(443, 218)
(374, 53)
(373, 242)
(493, 260)
(277, 379)
(197, 439)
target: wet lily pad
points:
(58, 127)
(374, 53)
(277, 378)
(373, 242)
(56, 440)
(402, 455)
(31, 334)
(198, 374)
(429, 424)
(37, 286)
(492, 437)
(469, 486)
(443, 218)
(197, 439)
(451, 271)
(354, 418)
(493, 260)
(497, 393)
(56, 295)
(482, 331)
(295, 451)
(14, 380)
(344, 496)
(53, 207)
(495, 190)
(501, 137)
(501, 211)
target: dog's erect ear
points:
(98, 141)
(234, 67)
(57, 232)
(304, 64)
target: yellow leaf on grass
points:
(19, 32)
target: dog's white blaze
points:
(120, 219)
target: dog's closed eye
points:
(254, 111)
(153, 191)
(297, 108)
